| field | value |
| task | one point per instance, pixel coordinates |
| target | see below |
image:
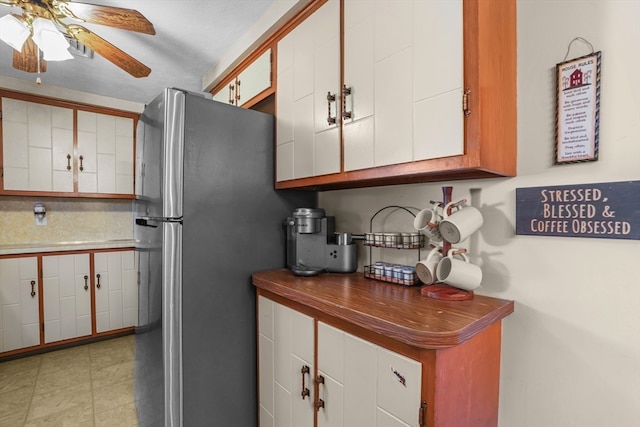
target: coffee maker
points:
(314, 247)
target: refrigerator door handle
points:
(149, 221)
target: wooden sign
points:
(606, 210)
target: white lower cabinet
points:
(116, 290)
(19, 307)
(357, 383)
(286, 366)
(66, 296)
(84, 294)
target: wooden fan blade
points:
(125, 19)
(27, 60)
(109, 51)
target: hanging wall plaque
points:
(608, 210)
(578, 109)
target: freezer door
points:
(173, 155)
(160, 157)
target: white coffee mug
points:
(459, 273)
(426, 268)
(457, 225)
(427, 221)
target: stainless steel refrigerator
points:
(207, 217)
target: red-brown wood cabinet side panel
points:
(461, 384)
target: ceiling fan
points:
(43, 23)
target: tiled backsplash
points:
(68, 220)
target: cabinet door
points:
(254, 79)
(37, 144)
(66, 296)
(365, 384)
(398, 390)
(105, 153)
(116, 290)
(348, 365)
(308, 143)
(19, 314)
(403, 63)
(286, 340)
(226, 94)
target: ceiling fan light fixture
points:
(50, 41)
(13, 31)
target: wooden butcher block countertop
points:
(396, 311)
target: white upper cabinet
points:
(37, 142)
(423, 84)
(308, 97)
(249, 83)
(403, 67)
(105, 147)
(40, 155)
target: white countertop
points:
(28, 248)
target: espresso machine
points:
(313, 246)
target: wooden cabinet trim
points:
(72, 105)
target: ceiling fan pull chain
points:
(38, 80)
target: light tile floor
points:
(85, 386)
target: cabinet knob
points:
(81, 159)
(33, 290)
(68, 162)
(98, 281)
(86, 284)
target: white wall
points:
(571, 350)
(20, 85)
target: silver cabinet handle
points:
(346, 91)
(305, 391)
(331, 120)
(319, 403)
(231, 93)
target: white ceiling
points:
(192, 38)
